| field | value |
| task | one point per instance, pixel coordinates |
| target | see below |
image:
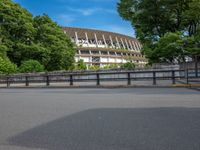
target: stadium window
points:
(85, 52)
(104, 53)
(95, 52)
(112, 53)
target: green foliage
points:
(24, 37)
(175, 46)
(60, 50)
(31, 66)
(3, 50)
(80, 65)
(114, 66)
(106, 67)
(170, 47)
(94, 67)
(155, 20)
(7, 67)
(128, 66)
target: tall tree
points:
(59, 47)
(16, 26)
(153, 19)
(24, 37)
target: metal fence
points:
(99, 77)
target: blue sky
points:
(95, 14)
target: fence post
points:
(129, 78)
(154, 78)
(196, 67)
(71, 79)
(173, 77)
(7, 81)
(187, 77)
(47, 81)
(27, 82)
(98, 79)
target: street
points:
(100, 119)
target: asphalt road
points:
(100, 119)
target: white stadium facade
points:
(103, 48)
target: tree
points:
(7, 67)
(31, 66)
(170, 48)
(60, 48)
(3, 50)
(16, 27)
(153, 19)
(191, 17)
(24, 37)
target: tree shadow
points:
(117, 129)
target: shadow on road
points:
(118, 129)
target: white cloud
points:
(119, 29)
(64, 19)
(65, 1)
(91, 11)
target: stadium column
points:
(131, 45)
(123, 43)
(90, 57)
(115, 57)
(96, 40)
(118, 42)
(127, 44)
(76, 35)
(111, 41)
(138, 48)
(100, 59)
(108, 57)
(135, 48)
(86, 36)
(104, 40)
(122, 58)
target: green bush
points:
(94, 67)
(80, 65)
(31, 66)
(114, 66)
(6, 66)
(128, 66)
(106, 67)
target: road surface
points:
(100, 119)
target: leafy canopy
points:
(128, 66)
(31, 66)
(24, 37)
(154, 19)
(7, 67)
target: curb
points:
(102, 86)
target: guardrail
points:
(98, 77)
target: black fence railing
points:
(173, 76)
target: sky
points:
(93, 14)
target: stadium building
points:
(103, 48)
